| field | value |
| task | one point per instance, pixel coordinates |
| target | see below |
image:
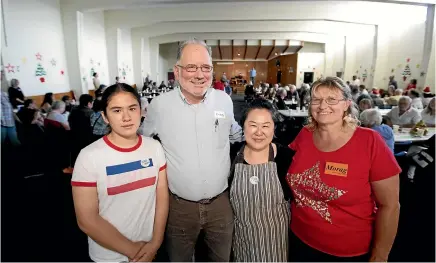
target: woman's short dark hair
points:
(113, 90)
(94, 74)
(259, 104)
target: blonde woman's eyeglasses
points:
(329, 101)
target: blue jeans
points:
(252, 79)
(11, 134)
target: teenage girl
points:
(120, 185)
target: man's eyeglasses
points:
(194, 68)
(329, 101)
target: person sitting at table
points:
(428, 114)
(80, 122)
(426, 96)
(371, 118)
(15, 93)
(344, 208)
(98, 126)
(154, 87)
(376, 99)
(270, 95)
(365, 104)
(281, 96)
(416, 99)
(393, 100)
(363, 90)
(293, 93)
(47, 102)
(218, 85)
(162, 85)
(404, 115)
(56, 115)
(257, 184)
(249, 90)
(26, 113)
(354, 92)
(227, 88)
(391, 91)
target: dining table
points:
(404, 135)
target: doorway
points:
(308, 77)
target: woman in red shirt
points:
(345, 183)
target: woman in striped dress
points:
(259, 194)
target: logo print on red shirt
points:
(311, 191)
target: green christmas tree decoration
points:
(40, 71)
(92, 72)
(407, 71)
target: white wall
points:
(311, 47)
(359, 59)
(94, 55)
(125, 57)
(34, 27)
(167, 60)
(399, 45)
(409, 39)
(310, 62)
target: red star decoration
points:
(38, 56)
(62, 72)
(42, 79)
(10, 68)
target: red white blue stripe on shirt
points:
(131, 176)
(127, 177)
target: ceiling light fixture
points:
(275, 53)
(239, 54)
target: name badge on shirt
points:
(339, 169)
(220, 115)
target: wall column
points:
(73, 35)
(428, 54)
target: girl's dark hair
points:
(94, 74)
(113, 90)
(48, 97)
(259, 104)
(413, 81)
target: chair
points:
(400, 154)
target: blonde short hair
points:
(335, 83)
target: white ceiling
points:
(93, 5)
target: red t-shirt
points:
(219, 85)
(333, 209)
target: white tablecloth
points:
(405, 135)
(294, 113)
